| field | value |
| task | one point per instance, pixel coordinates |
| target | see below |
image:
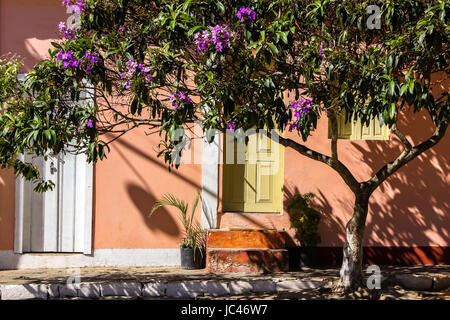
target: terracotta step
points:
(247, 239)
(220, 260)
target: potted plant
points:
(305, 220)
(192, 247)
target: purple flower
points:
(175, 106)
(127, 85)
(89, 124)
(78, 7)
(79, 129)
(172, 98)
(231, 125)
(67, 32)
(301, 107)
(132, 65)
(89, 69)
(75, 63)
(217, 35)
(246, 11)
(59, 56)
(122, 28)
(181, 95)
(62, 26)
(66, 3)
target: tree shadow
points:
(413, 205)
(160, 219)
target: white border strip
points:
(101, 258)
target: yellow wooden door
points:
(255, 184)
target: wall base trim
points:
(100, 258)
(400, 256)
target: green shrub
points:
(304, 219)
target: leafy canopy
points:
(276, 64)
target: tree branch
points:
(334, 134)
(402, 137)
(338, 166)
(407, 155)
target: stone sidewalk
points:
(429, 282)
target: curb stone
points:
(130, 289)
(441, 282)
(185, 289)
(154, 289)
(195, 288)
(263, 286)
(89, 290)
(415, 282)
(240, 287)
(298, 285)
(24, 292)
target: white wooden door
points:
(59, 220)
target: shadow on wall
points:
(413, 205)
(409, 214)
(144, 199)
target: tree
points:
(164, 64)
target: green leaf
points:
(56, 45)
(272, 48)
(134, 106)
(403, 89)
(392, 111)
(391, 88)
(411, 87)
(283, 36)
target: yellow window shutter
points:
(354, 130)
(256, 185)
(374, 131)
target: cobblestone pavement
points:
(412, 283)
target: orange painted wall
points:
(412, 208)
(127, 184)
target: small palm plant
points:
(194, 235)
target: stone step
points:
(188, 289)
(252, 260)
(246, 239)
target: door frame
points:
(20, 204)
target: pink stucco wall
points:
(126, 185)
(412, 208)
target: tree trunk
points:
(351, 270)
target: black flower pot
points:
(192, 259)
(309, 257)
